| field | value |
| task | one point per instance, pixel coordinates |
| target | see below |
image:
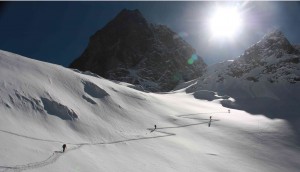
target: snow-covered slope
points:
(106, 126)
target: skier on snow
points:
(209, 121)
(64, 147)
(153, 129)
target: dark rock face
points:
(129, 49)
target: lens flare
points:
(192, 59)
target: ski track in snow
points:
(28, 137)
(57, 154)
(50, 160)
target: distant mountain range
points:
(150, 56)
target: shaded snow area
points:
(109, 126)
(256, 97)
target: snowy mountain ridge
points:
(267, 75)
(276, 57)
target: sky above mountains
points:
(58, 32)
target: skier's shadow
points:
(212, 154)
(58, 151)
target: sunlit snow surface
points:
(108, 126)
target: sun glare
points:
(225, 22)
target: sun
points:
(225, 22)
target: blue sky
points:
(58, 32)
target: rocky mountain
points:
(266, 75)
(129, 49)
(273, 55)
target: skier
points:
(209, 121)
(153, 129)
(64, 147)
(228, 110)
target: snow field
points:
(112, 129)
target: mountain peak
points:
(128, 49)
(275, 40)
(273, 56)
(274, 33)
(129, 16)
(126, 11)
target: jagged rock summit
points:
(129, 49)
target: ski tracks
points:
(50, 160)
(57, 154)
